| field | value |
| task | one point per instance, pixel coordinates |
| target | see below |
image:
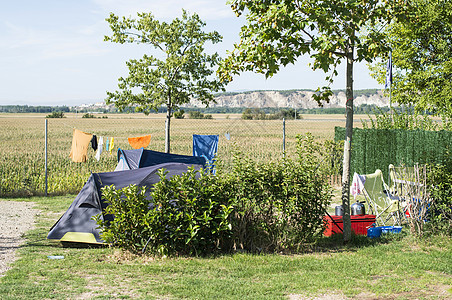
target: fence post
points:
(46, 157)
(284, 137)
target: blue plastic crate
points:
(373, 232)
(391, 229)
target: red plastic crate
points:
(359, 224)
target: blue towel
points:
(205, 146)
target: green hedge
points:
(257, 207)
(377, 148)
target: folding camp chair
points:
(401, 180)
(409, 184)
(385, 206)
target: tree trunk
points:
(347, 145)
(168, 126)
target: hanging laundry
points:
(206, 146)
(112, 144)
(140, 141)
(357, 184)
(107, 145)
(99, 148)
(80, 144)
(94, 142)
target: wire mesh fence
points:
(22, 168)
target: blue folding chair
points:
(206, 146)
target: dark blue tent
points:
(76, 224)
(139, 158)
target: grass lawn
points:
(393, 267)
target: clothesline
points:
(106, 134)
(82, 140)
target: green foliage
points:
(331, 163)
(179, 72)
(129, 229)
(405, 120)
(173, 80)
(274, 206)
(88, 116)
(278, 32)
(378, 148)
(198, 115)
(253, 114)
(421, 52)
(56, 114)
(192, 215)
(32, 109)
(278, 206)
(288, 114)
(440, 215)
(179, 114)
(188, 215)
(259, 114)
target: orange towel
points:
(140, 141)
(80, 144)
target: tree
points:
(279, 31)
(422, 57)
(56, 114)
(183, 71)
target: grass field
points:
(393, 267)
(22, 167)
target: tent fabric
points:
(205, 146)
(77, 225)
(139, 158)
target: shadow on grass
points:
(335, 243)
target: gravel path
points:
(15, 219)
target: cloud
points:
(52, 43)
(168, 9)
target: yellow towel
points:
(140, 141)
(80, 144)
(112, 144)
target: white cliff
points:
(296, 99)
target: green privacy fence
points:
(377, 148)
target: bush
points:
(179, 114)
(56, 114)
(188, 215)
(129, 206)
(258, 114)
(88, 116)
(405, 120)
(253, 114)
(276, 206)
(198, 115)
(440, 216)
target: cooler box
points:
(359, 224)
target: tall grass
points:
(22, 167)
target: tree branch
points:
(155, 44)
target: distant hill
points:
(237, 101)
(293, 98)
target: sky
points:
(52, 52)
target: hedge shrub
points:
(440, 216)
(276, 206)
